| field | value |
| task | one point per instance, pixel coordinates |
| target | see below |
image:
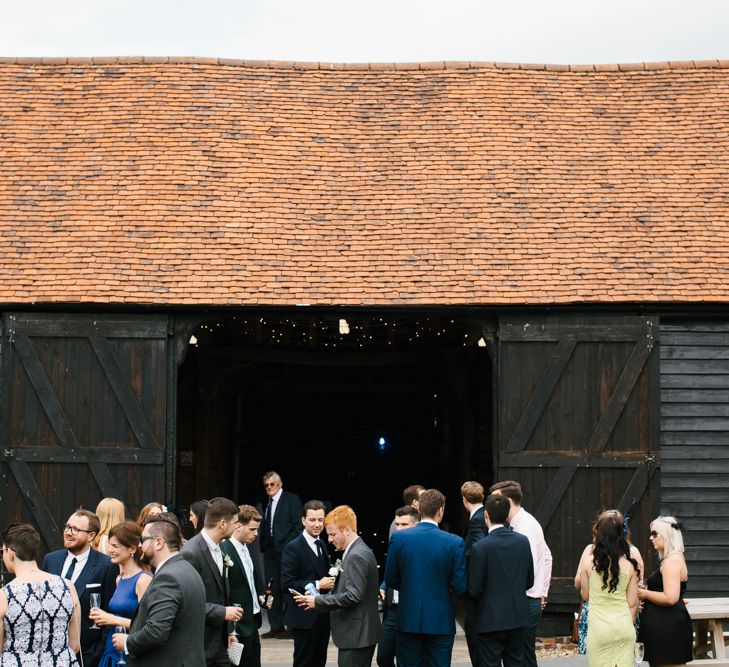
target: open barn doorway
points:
(348, 407)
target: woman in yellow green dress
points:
(609, 580)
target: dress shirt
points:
(159, 565)
(474, 510)
(311, 541)
(274, 504)
(494, 526)
(81, 560)
(527, 525)
(433, 521)
(245, 558)
(215, 550)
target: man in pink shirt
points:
(524, 523)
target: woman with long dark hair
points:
(125, 551)
(609, 580)
(197, 514)
(665, 624)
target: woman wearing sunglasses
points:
(665, 624)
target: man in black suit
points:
(499, 574)
(168, 626)
(281, 524)
(203, 552)
(244, 587)
(305, 560)
(472, 496)
(90, 571)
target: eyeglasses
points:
(654, 534)
(267, 484)
(74, 531)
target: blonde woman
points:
(665, 624)
(110, 512)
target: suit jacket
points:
(476, 531)
(196, 552)
(299, 567)
(98, 576)
(354, 619)
(241, 593)
(286, 523)
(499, 574)
(426, 565)
(168, 626)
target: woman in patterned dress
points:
(40, 612)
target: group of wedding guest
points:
(610, 578)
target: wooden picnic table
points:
(709, 616)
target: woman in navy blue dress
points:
(125, 551)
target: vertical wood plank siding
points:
(695, 446)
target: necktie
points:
(71, 568)
(320, 551)
(218, 555)
(269, 518)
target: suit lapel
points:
(208, 558)
(87, 574)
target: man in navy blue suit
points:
(500, 572)
(305, 560)
(89, 571)
(426, 565)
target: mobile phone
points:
(293, 591)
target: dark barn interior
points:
(347, 408)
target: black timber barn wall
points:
(695, 446)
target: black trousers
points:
(310, 646)
(272, 565)
(355, 657)
(506, 645)
(251, 656)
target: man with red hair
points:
(355, 622)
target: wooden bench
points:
(709, 616)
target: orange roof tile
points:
(206, 181)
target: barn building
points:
(367, 276)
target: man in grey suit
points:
(355, 622)
(168, 625)
(204, 553)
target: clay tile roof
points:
(205, 181)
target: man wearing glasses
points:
(281, 524)
(169, 625)
(90, 571)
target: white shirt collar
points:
(212, 545)
(433, 521)
(277, 496)
(517, 518)
(237, 543)
(81, 558)
(494, 526)
(159, 565)
(311, 541)
(349, 547)
(474, 510)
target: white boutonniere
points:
(228, 561)
(336, 569)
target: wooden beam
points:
(113, 455)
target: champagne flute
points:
(95, 603)
(120, 629)
(638, 652)
(232, 632)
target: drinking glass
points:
(95, 603)
(120, 629)
(638, 652)
(232, 632)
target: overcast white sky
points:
(530, 31)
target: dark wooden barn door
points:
(86, 408)
(578, 426)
